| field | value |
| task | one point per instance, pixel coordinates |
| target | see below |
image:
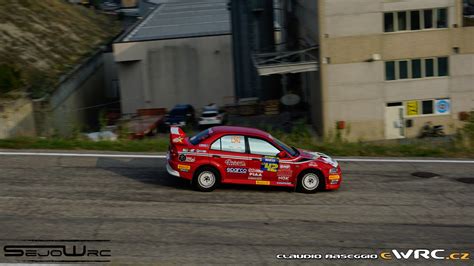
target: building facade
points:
(388, 67)
(181, 53)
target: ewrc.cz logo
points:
(436, 254)
(57, 251)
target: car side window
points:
(216, 145)
(262, 147)
(233, 143)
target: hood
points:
(319, 157)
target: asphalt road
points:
(150, 217)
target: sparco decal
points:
(237, 170)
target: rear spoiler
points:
(177, 136)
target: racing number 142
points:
(271, 167)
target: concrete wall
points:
(354, 87)
(163, 73)
(76, 102)
(16, 118)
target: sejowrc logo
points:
(70, 251)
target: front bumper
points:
(171, 171)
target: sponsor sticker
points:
(283, 183)
(191, 159)
(269, 164)
(262, 182)
(201, 151)
(182, 158)
(284, 166)
(231, 162)
(334, 177)
(235, 170)
(235, 139)
(184, 168)
(178, 140)
(203, 145)
(284, 178)
(255, 174)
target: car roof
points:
(239, 130)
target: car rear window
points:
(196, 139)
(178, 112)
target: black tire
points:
(202, 180)
(311, 181)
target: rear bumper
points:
(171, 171)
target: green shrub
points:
(10, 78)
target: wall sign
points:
(412, 108)
(443, 106)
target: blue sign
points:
(443, 106)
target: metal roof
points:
(173, 19)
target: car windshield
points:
(292, 151)
(199, 137)
(178, 112)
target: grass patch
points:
(460, 146)
(147, 145)
(160, 144)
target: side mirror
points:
(281, 155)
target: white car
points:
(211, 117)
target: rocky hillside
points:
(40, 40)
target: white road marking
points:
(82, 155)
(162, 156)
(404, 161)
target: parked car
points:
(180, 115)
(240, 155)
(212, 116)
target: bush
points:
(10, 78)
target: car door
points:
(229, 152)
(263, 163)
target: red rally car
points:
(240, 155)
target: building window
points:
(415, 19)
(443, 66)
(403, 69)
(388, 21)
(417, 68)
(402, 20)
(429, 67)
(428, 19)
(442, 18)
(390, 70)
(427, 107)
(468, 13)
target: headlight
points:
(333, 170)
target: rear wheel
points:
(206, 179)
(310, 182)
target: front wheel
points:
(206, 179)
(310, 182)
